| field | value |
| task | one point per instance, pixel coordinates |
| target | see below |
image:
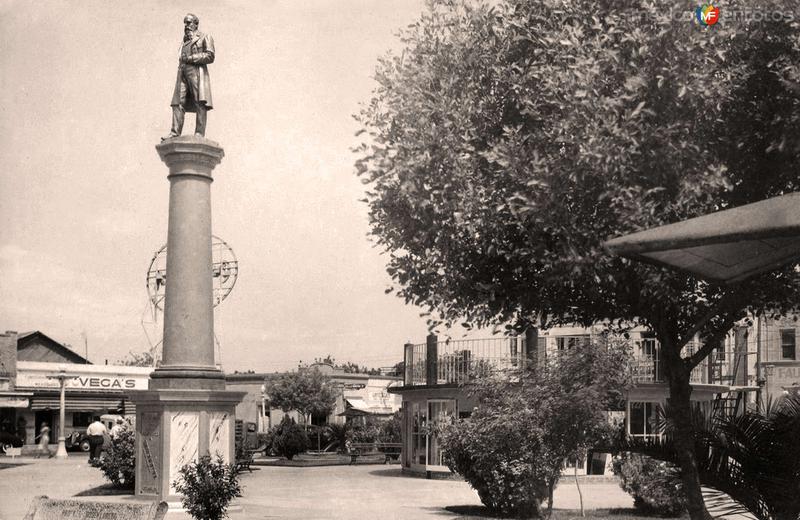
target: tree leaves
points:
(506, 144)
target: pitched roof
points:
(59, 348)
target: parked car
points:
(77, 441)
(9, 440)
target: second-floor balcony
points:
(720, 368)
(459, 361)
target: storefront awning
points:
(726, 246)
(14, 400)
(75, 403)
(358, 404)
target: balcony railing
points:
(459, 361)
(720, 368)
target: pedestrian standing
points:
(44, 441)
(96, 432)
(116, 428)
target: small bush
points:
(507, 467)
(290, 440)
(654, 485)
(368, 433)
(208, 486)
(118, 463)
(266, 439)
(390, 430)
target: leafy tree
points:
(308, 391)
(506, 143)
(567, 400)
(348, 367)
(138, 359)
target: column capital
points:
(190, 155)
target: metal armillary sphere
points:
(224, 271)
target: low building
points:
(359, 396)
(30, 392)
(727, 381)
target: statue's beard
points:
(188, 33)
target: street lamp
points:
(61, 452)
(264, 427)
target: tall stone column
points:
(188, 350)
(186, 413)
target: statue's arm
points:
(206, 56)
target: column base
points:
(175, 427)
(183, 378)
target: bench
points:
(244, 461)
(44, 508)
(244, 457)
(389, 450)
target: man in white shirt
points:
(96, 431)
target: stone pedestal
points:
(186, 413)
(175, 427)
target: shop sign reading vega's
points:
(86, 382)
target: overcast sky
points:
(85, 95)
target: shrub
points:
(207, 487)
(510, 469)
(654, 485)
(118, 464)
(290, 440)
(368, 433)
(266, 439)
(390, 430)
(338, 434)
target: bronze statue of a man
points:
(192, 88)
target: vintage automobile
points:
(78, 440)
(9, 440)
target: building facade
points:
(367, 394)
(747, 365)
(30, 392)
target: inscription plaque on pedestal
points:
(150, 430)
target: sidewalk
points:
(339, 492)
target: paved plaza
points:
(361, 491)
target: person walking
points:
(96, 432)
(44, 441)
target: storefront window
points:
(81, 419)
(418, 434)
(441, 413)
(643, 419)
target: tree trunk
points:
(551, 486)
(683, 431)
(577, 484)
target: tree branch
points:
(698, 326)
(711, 342)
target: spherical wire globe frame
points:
(224, 272)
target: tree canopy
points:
(307, 391)
(506, 143)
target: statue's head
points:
(190, 23)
